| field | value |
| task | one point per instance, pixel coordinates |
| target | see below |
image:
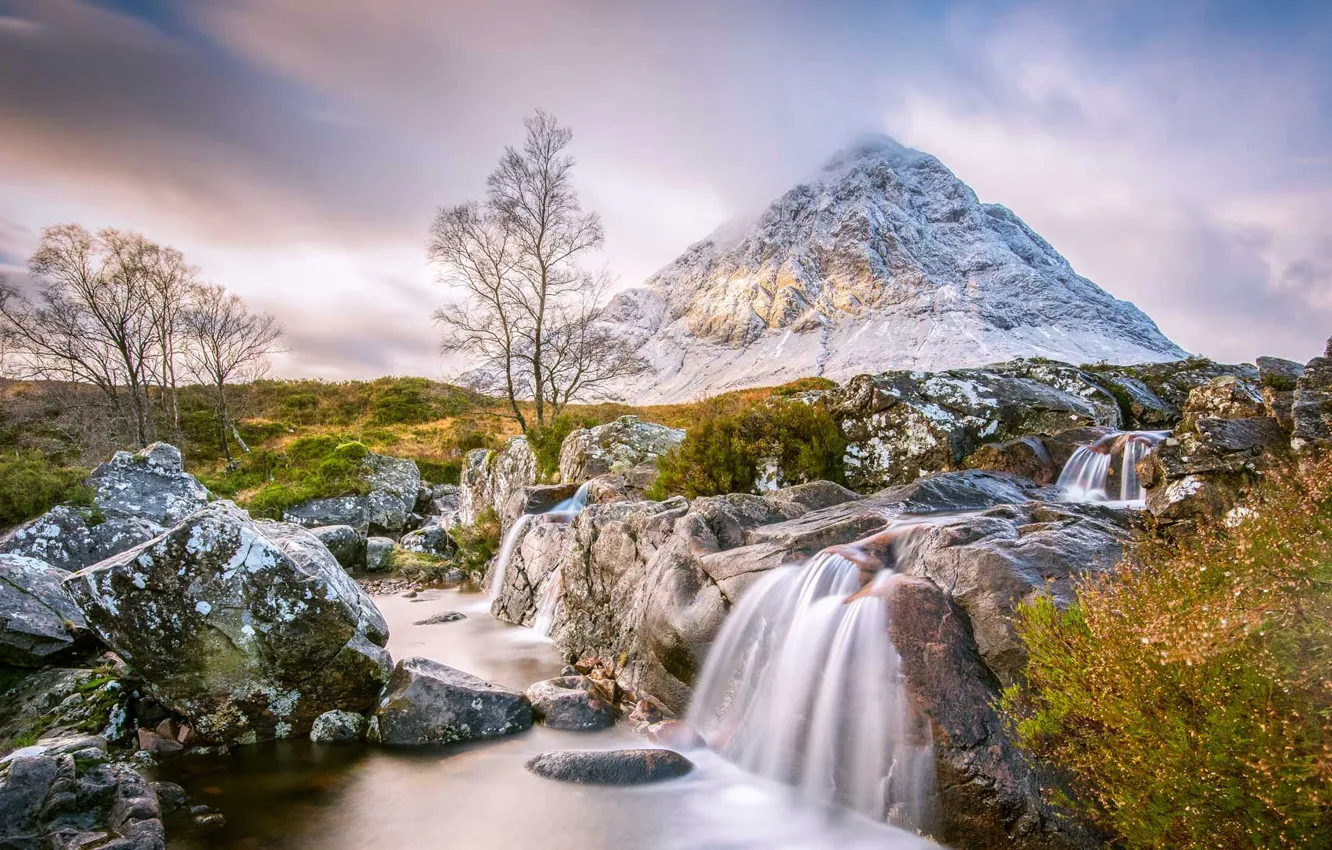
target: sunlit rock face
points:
(883, 260)
(251, 630)
(490, 477)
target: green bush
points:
(477, 543)
(440, 471)
(1188, 693)
(32, 484)
(728, 451)
(546, 442)
(319, 467)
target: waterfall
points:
(551, 589)
(1086, 476)
(565, 510)
(804, 686)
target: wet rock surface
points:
(611, 767)
(249, 629)
(38, 619)
(614, 447)
(571, 702)
(65, 794)
(426, 702)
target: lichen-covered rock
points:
(1311, 410)
(610, 767)
(614, 447)
(393, 484)
(1226, 397)
(378, 554)
(490, 477)
(84, 700)
(426, 702)
(338, 727)
(900, 425)
(151, 485)
(1025, 456)
(989, 795)
(1140, 406)
(570, 702)
(630, 485)
(430, 540)
(38, 619)
(345, 543)
(1174, 380)
(250, 630)
(64, 794)
(71, 538)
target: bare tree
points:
(91, 321)
(172, 282)
(531, 314)
(225, 342)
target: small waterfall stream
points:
(563, 511)
(548, 602)
(1087, 474)
(803, 686)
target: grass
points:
(1189, 694)
(32, 484)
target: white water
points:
(551, 589)
(804, 686)
(565, 510)
(1086, 476)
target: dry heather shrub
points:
(1189, 693)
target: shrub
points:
(546, 442)
(1188, 692)
(477, 543)
(318, 467)
(440, 471)
(33, 484)
(731, 451)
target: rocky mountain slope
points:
(885, 260)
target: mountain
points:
(884, 260)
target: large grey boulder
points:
(250, 630)
(430, 540)
(571, 702)
(345, 543)
(490, 477)
(614, 447)
(150, 484)
(71, 538)
(65, 794)
(900, 425)
(38, 619)
(393, 484)
(610, 767)
(426, 702)
(378, 554)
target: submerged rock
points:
(610, 767)
(614, 447)
(570, 702)
(426, 702)
(250, 630)
(442, 617)
(63, 793)
(150, 484)
(38, 619)
(71, 538)
(338, 727)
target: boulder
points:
(490, 477)
(38, 619)
(900, 425)
(1226, 397)
(610, 767)
(338, 727)
(150, 485)
(378, 554)
(630, 485)
(992, 561)
(250, 630)
(571, 702)
(426, 702)
(989, 795)
(431, 540)
(1173, 381)
(345, 543)
(393, 485)
(441, 618)
(71, 538)
(1025, 456)
(1311, 409)
(614, 447)
(55, 699)
(64, 793)
(1139, 405)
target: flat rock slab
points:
(610, 767)
(442, 617)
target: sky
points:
(1178, 154)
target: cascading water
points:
(804, 686)
(1086, 476)
(564, 511)
(551, 589)
(573, 505)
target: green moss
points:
(32, 484)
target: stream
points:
(295, 795)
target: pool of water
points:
(294, 795)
